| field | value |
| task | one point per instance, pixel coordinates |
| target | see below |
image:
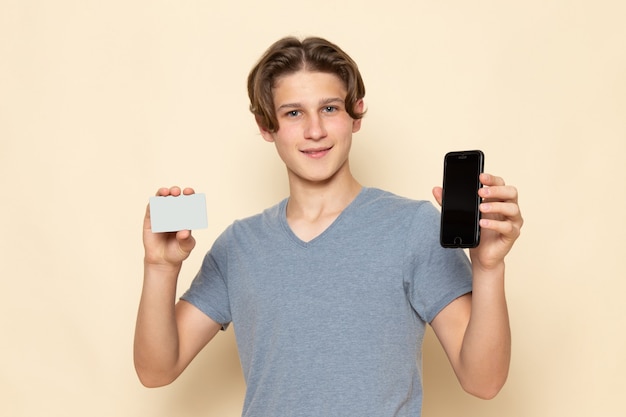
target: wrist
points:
(152, 267)
(493, 270)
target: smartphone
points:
(459, 208)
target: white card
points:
(171, 214)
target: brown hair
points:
(289, 55)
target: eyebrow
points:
(323, 102)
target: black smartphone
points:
(459, 208)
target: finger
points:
(438, 194)
(163, 191)
(188, 191)
(508, 210)
(147, 224)
(508, 229)
(490, 180)
(499, 193)
(175, 191)
(182, 235)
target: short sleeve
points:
(209, 290)
(437, 275)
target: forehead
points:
(303, 85)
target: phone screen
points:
(459, 209)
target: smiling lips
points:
(316, 153)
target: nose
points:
(314, 128)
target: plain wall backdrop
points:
(101, 103)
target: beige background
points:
(103, 102)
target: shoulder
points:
(260, 223)
(246, 234)
(385, 214)
(384, 201)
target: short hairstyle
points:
(289, 55)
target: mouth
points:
(316, 153)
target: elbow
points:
(153, 382)
(484, 393)
(154, 374)
(486, 390)
(151, 379)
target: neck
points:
(312, 207)
(310, 200)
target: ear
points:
(267, 135)
(358, 108)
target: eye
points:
(293, 113)
(330, 109)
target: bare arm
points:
(474, 329)
(167, 335)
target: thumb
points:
(438, 194)
(185, 240)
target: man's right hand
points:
(167, 249)
(168, 335)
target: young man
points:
(330, 290)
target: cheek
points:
(284, 147)
(347, 129)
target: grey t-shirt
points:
(333, 326)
